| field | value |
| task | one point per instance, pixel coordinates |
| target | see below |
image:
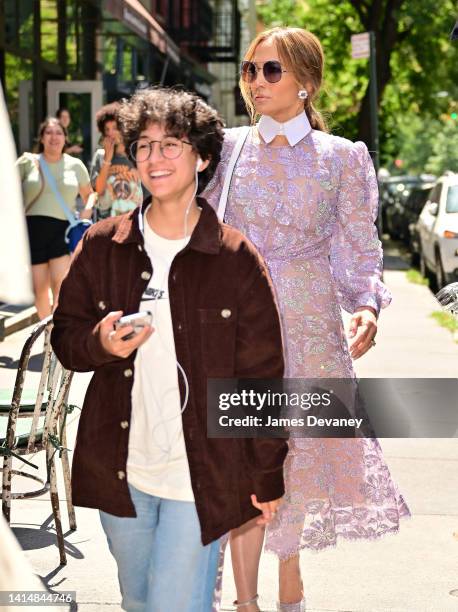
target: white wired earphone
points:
(168, 450)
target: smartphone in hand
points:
(138, 321)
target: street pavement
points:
(414, 571)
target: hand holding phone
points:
(137, 321)
(113, 340)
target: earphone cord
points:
(167, 451)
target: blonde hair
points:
(301, 52)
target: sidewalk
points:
(411, 572)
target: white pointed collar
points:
(295, 129)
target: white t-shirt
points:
(157, 462)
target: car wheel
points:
(440, 276)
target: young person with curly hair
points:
(113, 175)
(166, 492)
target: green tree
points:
(415, 60)
(444, 155)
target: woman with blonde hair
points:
(308, 200)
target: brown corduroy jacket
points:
(219, 270)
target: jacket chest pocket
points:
(218, 328)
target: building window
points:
(109, 54)
(19, 23)
(73, 42)
(127, 65)
(17, 71)
(49, 31)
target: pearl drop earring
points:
(302, 94)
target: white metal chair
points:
(38, 425)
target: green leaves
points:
(415, 61)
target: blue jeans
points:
(162, 564)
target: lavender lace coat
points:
(310, 210)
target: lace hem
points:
(292, 552)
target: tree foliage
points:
(415, 61)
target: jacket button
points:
(124, 424)
(179, 327)
(121, 475)
(226, 313)
(140, 248)
(146, 275)
(102, 305)
(128, 373)
(174, 277)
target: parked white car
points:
(438, 231)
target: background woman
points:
(46, 221)
(308, 201)
(65, 119)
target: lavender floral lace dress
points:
(310, 210)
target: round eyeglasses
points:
(272, 71)
(170, 148)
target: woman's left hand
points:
(268, 509)
(92, 202)
(89, 198)
(86, 213)
(363, 328)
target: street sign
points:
(360, 46)
(363, 46)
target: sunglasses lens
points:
(248, 72)
(272, 71)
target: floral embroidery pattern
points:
(310, 210)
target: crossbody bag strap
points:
(34, 159)
(244, 131)
(59, 197)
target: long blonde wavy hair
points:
(301, 52)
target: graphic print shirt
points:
(123, 191)
(157, 461)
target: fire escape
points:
(208, 30)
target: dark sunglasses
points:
(272, 71)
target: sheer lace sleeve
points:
(356, 252)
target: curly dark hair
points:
(109, 112)
(41, 130)
(183, 115)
